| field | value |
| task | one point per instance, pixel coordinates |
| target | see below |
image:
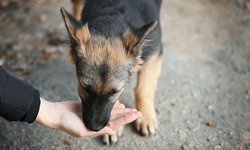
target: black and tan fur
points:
(111, 40)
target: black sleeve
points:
(18, 100)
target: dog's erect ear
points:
(78, 34)
(77, 31)
(70, 22)
(133, 40)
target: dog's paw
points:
(110, 139)
(146, 126)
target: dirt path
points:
(205, 76)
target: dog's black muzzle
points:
(96, 113)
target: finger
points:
(105, 130)
(118, 122)
(114, 124)
(121, 112)
(117, 111)
(118, 105)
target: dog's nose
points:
(95, 127)
(96, 114)
(93, 123)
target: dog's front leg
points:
(144, 94)
(110, 139)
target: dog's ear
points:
(71, 23)
(78, 34)
(134, 40)
(76, 30)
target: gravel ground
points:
(203, 96)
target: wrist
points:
(47, 114)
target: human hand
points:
(67, 116)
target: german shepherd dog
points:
(109, 41)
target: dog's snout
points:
(96, 113)
(95, 126)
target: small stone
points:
(210, 107)
(43, 18)
(184, 112)
(208, 139)
(51, 49)
(217, 147)
(210, 123)
(183, 147)
(173, 104)
(69, 142)
(172, 81)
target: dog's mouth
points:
(96, 114)
(96, 110)
(96, 125)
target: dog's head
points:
(103, 66)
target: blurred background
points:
(203, 96)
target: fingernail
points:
(122, 106)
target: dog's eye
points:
(87, 88)
(113, 91)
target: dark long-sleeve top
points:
(18, 100)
